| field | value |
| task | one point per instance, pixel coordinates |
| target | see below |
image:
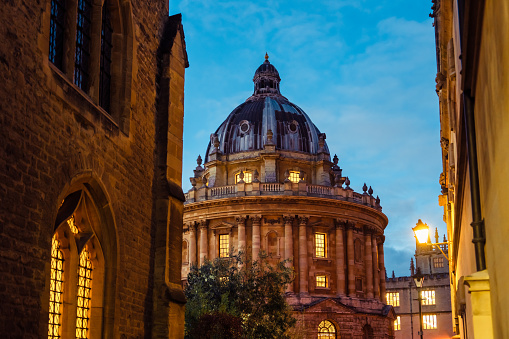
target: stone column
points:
(376, 277)
(303, 256)
(241, 233)
(368, 259)
(351, 259)
(256, 236)
(289, 245)
(192, 243)
(382, 267)
(340, 258)
(203, 240)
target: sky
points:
(364, 72)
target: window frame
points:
(223, 252)
(325, 280)
(248, 177)
(429, 321)
(325, 245)
(428, 297)
(324, 330)
(294, 176)
(438, 262)
(397, 323)
(392, 296)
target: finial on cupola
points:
(266, 56)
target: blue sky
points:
(363, 70)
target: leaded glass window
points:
(428, 297)
(326, 330)
(84, 295)
(392, 298)
(429, 321)
(224, 245)
(294, 176)
(56, 34)
(105, 71)
(321, 281)
(82, 55)
(320, 245)
(56, 290)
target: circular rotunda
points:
(268, 183)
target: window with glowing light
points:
(326, 330)
(397, 323)
(429, 321)
(428, 297)
(320, 245)
(84, 295)
(294, 176)
(248, 177)
(321, 281)
(56, 290)
(392, 298)
(224, 245)
(438, 262)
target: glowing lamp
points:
(421, 232)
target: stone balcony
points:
(276, 189)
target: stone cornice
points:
(336, 209)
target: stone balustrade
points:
(288, 189)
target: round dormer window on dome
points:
(244, 126)
(293, 126)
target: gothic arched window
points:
(326, 330)
(77, 269)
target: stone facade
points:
(402, 293)
(472, 48)
(269, 184)
(90, 191)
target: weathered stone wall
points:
(54, 135)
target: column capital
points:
(202, 224)
(256, 218)
(191, 226)
(380, 239)
(303, 220)
(346, 224)
(288, 219)
(241, 219)
(369, 230)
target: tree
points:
(250, 291)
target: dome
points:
(247, 127)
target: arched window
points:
(78, 268)
(358, 250)
(367, 332)
(82, 53)
(326, 330)
(272, 248)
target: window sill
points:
(84, 107)
(322, 259)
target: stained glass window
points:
(326, 330)
(320, 245)
(105, 71)
(56, 34)
(82, 55)
(56, 290)
(224, 244)
(84, 295)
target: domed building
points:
(268, 183)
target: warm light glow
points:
(321, 281)
(429, 321)
(418, 281)
(224, 245)
(84, 295)
(428, 297)
(392, 298)
(326, 330)
(421, 232)
(397, 323)
(320, 245)
(294, 176)
(72, 225)
(248, 177)
(56, 290)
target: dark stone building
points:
(91, 117)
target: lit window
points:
(84, 295)
(326, 330)
(429, 321)
(72, 225)
(56, 290)
(428, 297)
(56, 35)
(224, 244)
(321, 281)
(438, 262)
(392, 298)
(294, 176)
(320, 245)
(397, 323)
(248, 177)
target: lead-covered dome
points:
(247, 127)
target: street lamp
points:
(421, 233)
(418, 280)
